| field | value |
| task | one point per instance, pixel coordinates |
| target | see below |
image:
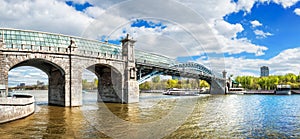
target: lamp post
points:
(72, 45)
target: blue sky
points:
(281, 22)
(238, 36)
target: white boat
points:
(236, 91)
(283, 90)
(181, 92)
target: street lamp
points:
(72, 45)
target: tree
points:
(171, 83)
(145, 86)
(203, 83)
(95, 83)
(84, 84)
(156, 79)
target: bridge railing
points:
(99, 55)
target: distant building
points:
(264, 71)
(22, 84)
(39, 83)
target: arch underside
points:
(56, 79)
(194, 67)
(109, 83)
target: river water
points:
(158, 116)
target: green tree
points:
(84, 84)
(95, 83)
(145, 86)
(203, 83)
(171, 83)
(156, 79)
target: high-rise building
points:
(264, 71)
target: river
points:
(159, 116)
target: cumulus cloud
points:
(94, 12)
(201, 24)
(247, 5)
(261, 34)
(286, 3)
(193, 27)
(46, 15)
(255, 23)
(297, 11)
(285, 62)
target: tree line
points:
(30, 87)
(269, 82)
(157, 84)
(90, 85)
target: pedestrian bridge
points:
(120, 69)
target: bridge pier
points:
(56, 88)
(131, 86)
(109, 85)
(217, 87)
(74, 83)
(3, 75)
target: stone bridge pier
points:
(218, 86)
(116, 78)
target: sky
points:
(239, 36)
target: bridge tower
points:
(131, 86)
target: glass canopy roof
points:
(15, 38)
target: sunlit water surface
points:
(158, 116)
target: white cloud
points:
(27, 75)
(226, 29)
(247, 5)
(286, 3)
(255, 23)
(201, 24)
(94, 11)
(43, 15)
(193, 27)
(288, 61)
(297, 11)
(261, 34)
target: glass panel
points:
(16, 32)
(22, 37)
(28, 42)
(22, 33)
(18, 41)
(18, 37)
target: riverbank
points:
(16, 107)
(267, 92)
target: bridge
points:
(120, 69)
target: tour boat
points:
(236, 91)
(180, 92)
(283, 90)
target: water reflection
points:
(243, 117)
(156, 116)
